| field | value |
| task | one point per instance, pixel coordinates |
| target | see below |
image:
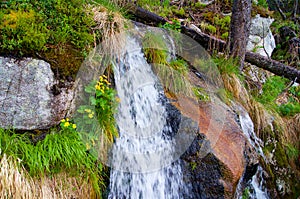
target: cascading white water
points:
(256, 187)
(142, 157)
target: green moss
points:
(224, 36)
(180, 12)
(280, 156)
(27, 26)
(199, 5)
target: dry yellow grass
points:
(111, 26)
(16, 183)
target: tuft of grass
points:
(171, 71)
(15, 182)
(110, 25)
(60, 151)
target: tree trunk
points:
(240, 29)
(273, 66)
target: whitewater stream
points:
(142, 157)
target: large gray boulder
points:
(26, 95)
(261, 39)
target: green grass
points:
(171, 71)
(272, 89)
(60, 151)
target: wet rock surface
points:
(215, 161)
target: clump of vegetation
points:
(99, 111)
(27, 26)
(171, 71)
(276, 87)
(61, 151)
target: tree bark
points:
(240, 29)
(295, 8)
(273, 66)
(205, 40)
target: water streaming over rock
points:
(142, 156)
(256, 186)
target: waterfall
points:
(256, 186)
(142, 156)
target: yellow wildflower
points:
(118, 99)
(87, 110)
(104, 76)
(97, 87)
(62, 121)
(74, 126)
(91, 115)
(87, 146)
(66, 124)
(67, 119)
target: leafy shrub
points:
(27, 25)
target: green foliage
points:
(271, 89)
(171, 72)
(27, 25)
(100, 110)
(180, 12)
(199, 5)
(227, 65)
(246, 193)
(193, 165)
(225, 35)
(289, 109)
(175, 25)
(201, 94)
(60, 151)
(155, 48)
(211, 29)
(262, 3)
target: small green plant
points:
(199, 5)
(226, 65)
(262, 3)
(201, 94)
(193, 165)
(175, 25)
(224, 36)
(246, 193)
(211, 29)
(256, 48)
(101, 108)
